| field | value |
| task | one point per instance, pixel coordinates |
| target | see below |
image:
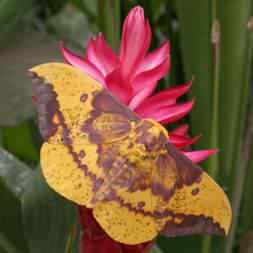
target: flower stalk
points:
(109, 21)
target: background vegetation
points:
(210, 39)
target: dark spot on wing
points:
(195, 191)
(84, 97)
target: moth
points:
(99, 154)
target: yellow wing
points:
(75, 115)
(158, 190)
(198, 205)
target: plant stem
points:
(213, 165)
(239, 181)
(247, 216)
(245, 149)
(196, 55)
(109, 21)
(213, 162)
(233, 16)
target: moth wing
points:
(75, 116)
(128, 206)
(198, 205)
(178, 199)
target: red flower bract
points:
(95, 240)
(132, 76)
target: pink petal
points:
(155, 58)
(136, 37)
(101, 55)
(91, 54)
(177, 112)
(168, 114)
(82, 64)
(199, 156)
(150, 76)
(181, 130)
(118, 88)
(164, 98)
(181, 141)
(139, 97)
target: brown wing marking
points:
(198, 205)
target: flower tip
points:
(192, 102)
(137, 9)
(196, 138)
(100, 38)
(201, 155)
(61, 45)
(186, 87)
(136, 14)
(90, 41)
(181, 130)
(166, 46)
(65, 52)
(182, 141)
(189, 84)
(213, 151)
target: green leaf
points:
(20, 142)
(243, 145)
(13, 178)
(247, 206)
(184, 244)
(234, 78)
(52, 7)
(247, 210)
(88, 8)
(109, 21)
(233, 16)
(6, 246)
(16, 87)
(13, 173)
(74, 31)
(246, 242)
(195, 29)
(48, 219)
(11, 14)
(195, 33)
(11, 229)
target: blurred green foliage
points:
(210, 40)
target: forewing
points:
(75, 116)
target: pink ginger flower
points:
(132, 76)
